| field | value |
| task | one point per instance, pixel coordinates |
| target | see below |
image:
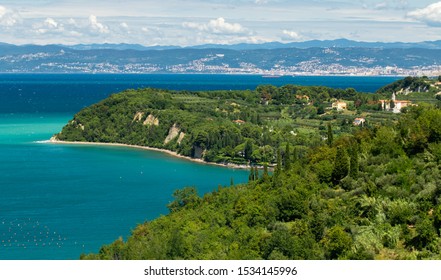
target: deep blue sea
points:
(58, 201)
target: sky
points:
(196, 22)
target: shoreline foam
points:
(171, 153)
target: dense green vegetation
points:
(239, 127)
(337, 191)
(411, 85)
(374, 194)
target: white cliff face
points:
(138, 116)
(151, 120)
(172, 134)
(181, 137)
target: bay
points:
(58, 201)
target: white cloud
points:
(217, 26)
(8, 17)
(97, 26)
(72, 21)
(289, 35)
(430, 14)
(51, 23)
(201, 21)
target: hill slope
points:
(358, 193)
(374, 194)
(225, 126)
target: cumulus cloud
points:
(49, 25)
(217, 26)
(289, 35)
(97, 26)
(430, 14)
(72, 21)
(8, 17)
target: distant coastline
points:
(172, 153)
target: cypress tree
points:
(251, 175)
(256, 173)
(330, 139)
(287, 158)
(248, 150)
(392, 104)
(277, 170)
(265, 175)
(341, 165)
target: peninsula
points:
(352, 180)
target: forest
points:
(346, 192)
(239, 127)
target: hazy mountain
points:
(313, 57)
(118, 47)
(339, 43)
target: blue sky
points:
(193, 22)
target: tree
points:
(287, 158)
(251, 175)
(265, 175)
(320, 110)
(256, 173)
(248, 151)
(330, 139)
(426, 234)
(278, 168)
(353, 171)
(336, 242)
(392, 104)
(184, 197)
(341, 165)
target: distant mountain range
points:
(340, 43)
(333, 57)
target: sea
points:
(60, 201)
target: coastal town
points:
(269, 63)
(307, 68)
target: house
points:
(340, 106)
(398, 104)
(239, 122)
(359, 121)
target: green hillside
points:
(241, 127)
(374, 194)
(337, 191)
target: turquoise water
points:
(58, 201)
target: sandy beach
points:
(172, 153)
